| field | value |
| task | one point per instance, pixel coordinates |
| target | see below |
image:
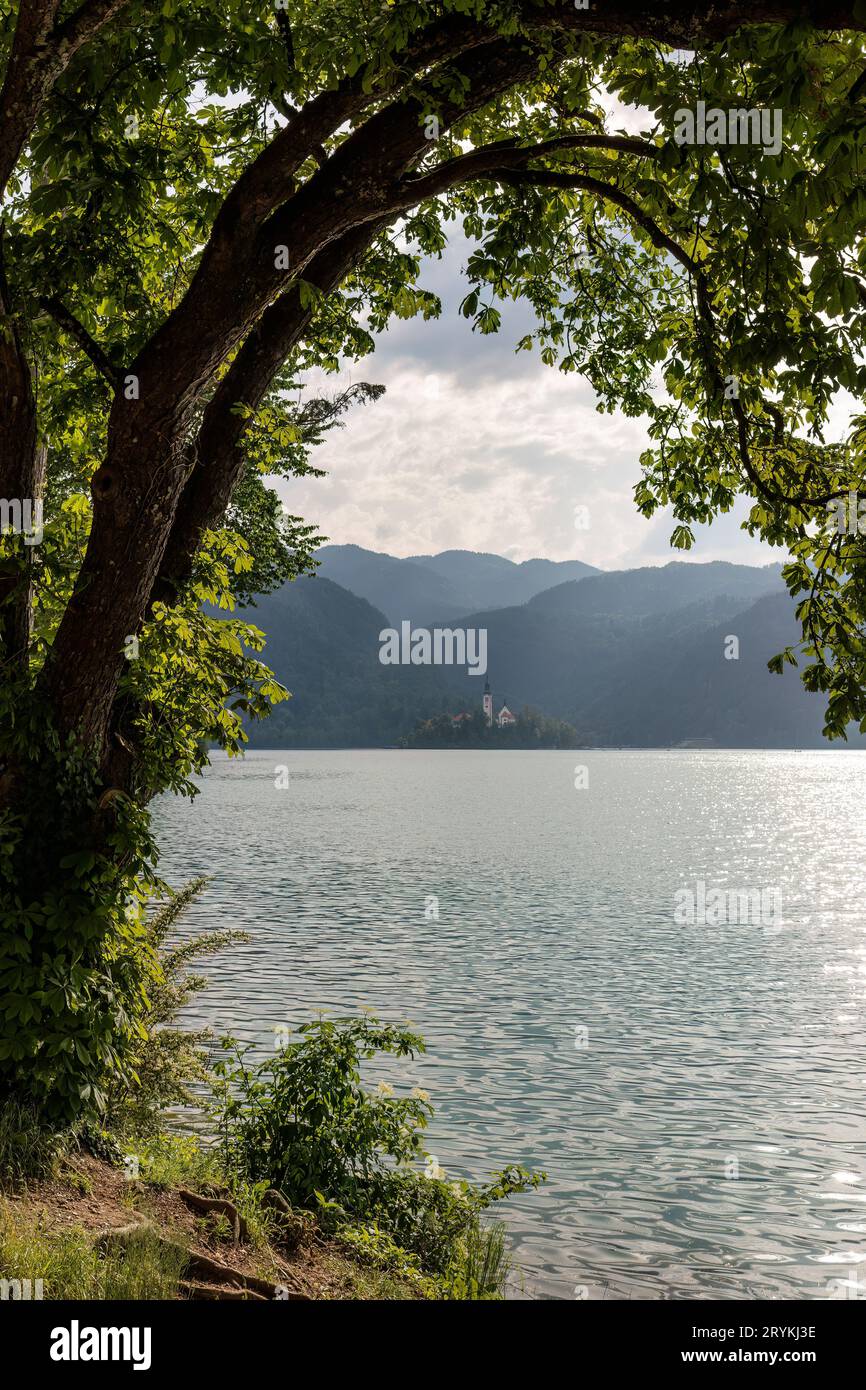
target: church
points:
(503, 718)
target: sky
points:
(476, 447)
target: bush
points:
(75, 968)
(303, 1123)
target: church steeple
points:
(487, 704)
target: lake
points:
(695, 1089)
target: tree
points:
(201, 201)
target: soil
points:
(92, 1196)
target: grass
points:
(182, 1160)
(70, 1267)
(177, 1160)
(478, 1271)
(481, 1264)
(369, 1283)
(360, 1262)
(415, 1238)
(27, 1150)
(359, 1219)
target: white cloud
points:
(476, 447)
(457, 460)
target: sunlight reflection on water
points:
(704, 1044)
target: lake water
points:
(696, 1093)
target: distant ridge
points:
(660, 588)
(492, 581)
(438, 588)
(631, 658)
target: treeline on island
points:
(531, 730)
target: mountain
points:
(632, 658)
(323, 643)
(398, 588)
(430, 589)
(689, 691)
(566, 646)
(490, 581)
(659, 589)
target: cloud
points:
(476, 447)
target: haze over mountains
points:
(436, 588)
(632, 658)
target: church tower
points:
(487, 704)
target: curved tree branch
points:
(66, 320)
(690, 25)
(139, 489)
(664, 242)
(503, 154)
(586, 183)
(218, 448)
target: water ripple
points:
(707, 1137)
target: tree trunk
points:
(22, 474)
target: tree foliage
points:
(203, 202)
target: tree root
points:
(292, 1226)
(276, 1201)
(200, 1270)
(219, 1206)
(104, 1240)
(199, 1292)
(203, 1267)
